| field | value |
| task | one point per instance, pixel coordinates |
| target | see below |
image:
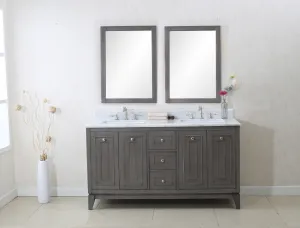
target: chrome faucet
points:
(212, 115)
(125, 111)
(115, 116)
(200, 109)
(190, 115)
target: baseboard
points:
(59, 191)
(270, 190)
(8, 197)
(245, 190)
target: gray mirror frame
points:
(103, 64)
(169, 29)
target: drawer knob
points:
(132, 139)
(162, 160)
(163, 181)
(221, 138)
(162, 140)
(192, 138)
(103, 139)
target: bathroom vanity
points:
(164, 160)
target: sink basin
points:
(124, 122)
(202, 121)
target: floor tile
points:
(185, 216)
(285, 202)
(58, 215)
(120, 217)
(248, 217)
(288, 208)
(256, 211)
(71, 212)
(18, 212)
(255, 203)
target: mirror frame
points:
(169, 29)
(153, 99)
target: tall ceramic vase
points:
(43, 190)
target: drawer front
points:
(163, 180)
(162, 160)
(162, 140)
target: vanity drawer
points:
(162, 160)
(162, 140)
(163, 179)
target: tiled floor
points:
(67, 212)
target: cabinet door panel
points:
(192, 160)
(104, 160)
(133, 160)
(222, 159)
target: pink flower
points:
(223, 92)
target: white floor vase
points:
(43, 182)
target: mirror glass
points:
(128, 65)
(193, 64)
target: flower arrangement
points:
(232, 84)
(40, 118)
(224, 92)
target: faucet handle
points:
(211, 115)
(190, 115)
(200, 109)
(115, 115)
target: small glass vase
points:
(224, 108)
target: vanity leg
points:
(237, 200)
(91, 201)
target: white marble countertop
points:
(164, 123)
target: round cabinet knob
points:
(192, 138)
(221, 138)
(131, 139)
(162, 160)
(103, 139)
(163, 181)
(162, 140)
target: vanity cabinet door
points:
(133, 160)
(222, 158)
(192, 160)
(104, 161)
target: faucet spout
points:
(200, 108)
(125, 111)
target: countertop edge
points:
(228, 123)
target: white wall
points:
(54, 49)
(7, 178)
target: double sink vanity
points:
(184, 158)
(179, 159)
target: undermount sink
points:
(124, 121)
(202, 121)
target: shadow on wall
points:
(257, 155)
(53, 177)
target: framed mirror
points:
(193, 64)
(128, 64)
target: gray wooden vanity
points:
(163, 163)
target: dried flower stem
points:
(40, 120)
